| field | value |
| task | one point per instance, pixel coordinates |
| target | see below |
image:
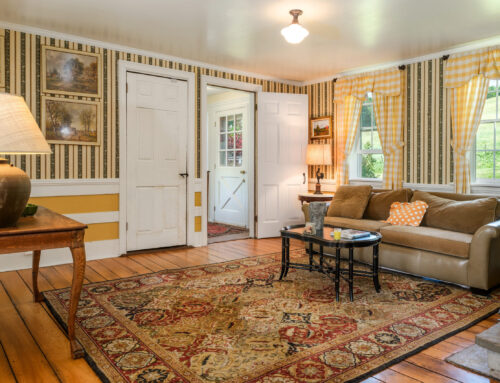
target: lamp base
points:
(318, 189)
(15, 189)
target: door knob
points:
(243, 172)
(183, 175)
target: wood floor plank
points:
(420, 373)
(51, 340)
(146, 261)
(6, 373)
(445, 369)
(56, 279)
(101, 269)
(25, 357)
(391, 376)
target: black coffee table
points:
(325, 239)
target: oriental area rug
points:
(235, 322)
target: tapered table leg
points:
(37, 297)
(337, 274)
(287, 256)
(321, 258)
(310, 256)
(375, 268)
(351, 273)
(78, 254)
(283, 257)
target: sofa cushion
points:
(379, 204)
(461, 216)
(356, 224)
(428, 238)
(349, 201)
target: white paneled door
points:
(156, 161)
(281, 151)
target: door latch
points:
(183, 175)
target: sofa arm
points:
(305, 210)
(484, 257)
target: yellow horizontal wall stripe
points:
(101, 231)
(197, 198)
(79, 203)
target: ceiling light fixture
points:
(295, 32)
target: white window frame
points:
(355, 162)
(496, 150)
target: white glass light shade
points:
(294, 33)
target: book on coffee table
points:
(354, 234)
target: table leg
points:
(351, 272)
(337, 273)
(310, 256)
(37, 297)
(375, 268)
(321, 257)
(283, 258)
(78, 254)
(287, 256)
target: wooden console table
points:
(49, 230)
(310, 197)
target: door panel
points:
(281, 151)
(156, 155)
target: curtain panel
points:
(467, 76)
(349, 93)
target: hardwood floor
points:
(33, 348)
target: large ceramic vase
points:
(317, 212)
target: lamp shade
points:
(319, 154)
(19, 132)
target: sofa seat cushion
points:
(428, 238)
(357, 224)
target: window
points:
(486, 159)
(367, 155)
(231, 140)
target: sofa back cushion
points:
(379, 204)
(349, 201)
(468, 197)
(407, 213)
(462, 216)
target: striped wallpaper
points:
(20, 54)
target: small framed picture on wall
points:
(321, 128)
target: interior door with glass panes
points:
(230, 173)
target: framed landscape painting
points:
(67, 121)
(70, 72)
(321, 128)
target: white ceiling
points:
(245, 34)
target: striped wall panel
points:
(20, 55)
(427, 128)
(320, 105)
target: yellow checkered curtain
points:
(389, 120)
(467, 75)
(346, 134)
(467, 103)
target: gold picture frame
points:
(321, 128)
(71, 72)
(2, 62)
(70, 121)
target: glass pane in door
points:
(222, 124)
(238, 141)
(230, 123)
(230, 158)
(239, 158)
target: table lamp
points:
(19, 134)
(319, 154)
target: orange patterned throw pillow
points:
(407, 213)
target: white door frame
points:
(123, 68)
(236, 85)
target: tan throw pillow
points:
(349, 201)
(461, 216)
(379, 204)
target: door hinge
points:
(256, 107)
(256, 219)
(126, 226)
(126, 87)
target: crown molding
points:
(478, 44)
(142, 52)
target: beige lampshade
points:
(319, 154)
(19, 132)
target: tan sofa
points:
(471, 260)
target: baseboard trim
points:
(94, 250)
